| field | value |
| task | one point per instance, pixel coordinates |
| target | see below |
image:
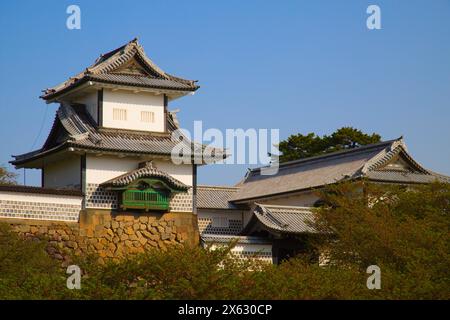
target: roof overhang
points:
(276, 195)
(59, 153)
(147, 173)
(39, 159)
(280, 221)
(83, 85)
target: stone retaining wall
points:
(111, 235)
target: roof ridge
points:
(332, 154)
(145, 171)
(282, 206)
(216, 187)
(114, 59)
(266, 214)
(383, 157)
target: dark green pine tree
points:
(301, 146)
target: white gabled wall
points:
(63, 173)
(103, 168)
(133, 104)
(182, 172)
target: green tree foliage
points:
(26, 270)
(301, 146)
(7, 177)
(403, 231)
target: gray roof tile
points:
(404, 177)
(214, 238)
(215, 197)
(145, 170)
(331, 168)
(283, 219)
(73, 127)
(106, 69)
(139, 81)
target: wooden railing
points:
(145, 199)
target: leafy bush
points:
(405, 232)
(26, 271)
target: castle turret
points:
(112, 117)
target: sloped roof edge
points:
(282, 219)
(114, 59)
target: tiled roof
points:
(404, 177)
(140, 81)
(318, 171)
(73, 127)
(38, 190)
(214, 238)
(112, 68)
(282, 219)
(215, 197)
(145, 170)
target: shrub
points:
(26, 271)
(403, 231)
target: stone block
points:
(128, 243)
(143, 219)
(165, 236)
(146, 233)
(133, 237)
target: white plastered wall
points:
(182, 172)
(63, 173)
(134, 104)
(103, 168)
(44, 198)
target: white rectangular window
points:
(119, 114)
(148, 116)
(220, 222)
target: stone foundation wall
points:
(111, 235)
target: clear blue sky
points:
(300, 66)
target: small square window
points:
(119, 114)
(148, 116)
